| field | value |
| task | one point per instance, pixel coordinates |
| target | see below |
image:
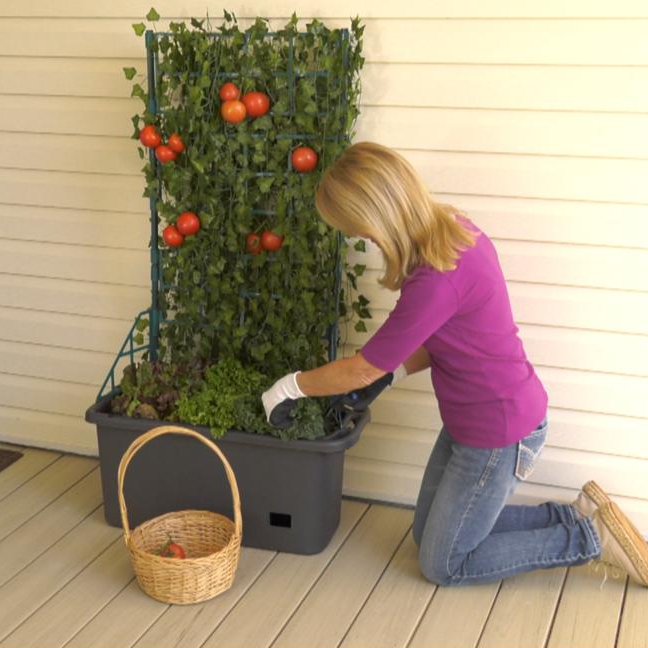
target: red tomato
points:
(164, 154)
(150, 137)
(229, 91)
(253, 243)
(188, 223)
(175, 143)
(172, 237)
(304, 159)
(233, 111)
(257, 103)
(172, 550)
(271, 241)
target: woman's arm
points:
(338, 377)
(345, 375)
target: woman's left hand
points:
(280, 399)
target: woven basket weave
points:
(211, 541)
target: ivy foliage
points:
(270, 311)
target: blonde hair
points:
(373, 191)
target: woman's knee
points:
(434, 565)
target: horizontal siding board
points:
(66, 115)
(566, 348)
(73, 190)
(573, 41)
(544, 304)
(512, 87)
(72, 297)
(555, 264)
(497, 131)
(82, 263)
(338, 8)
(75, 226)
(106, 155)
(56, 396)
(528, 176)
(53, 363)
(455, 129)
(63, 330)
(48, 430)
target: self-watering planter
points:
(214, 293)
(290, 490)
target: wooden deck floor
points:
(65, 580)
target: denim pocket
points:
(528, 451)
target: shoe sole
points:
(628, 536)
(596, 493)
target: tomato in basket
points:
(172, 550)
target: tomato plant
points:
(172, 237)
(188, 223)
(228, 298)
(257, 104)
(150, 137)
(271, 241)
(233, 111)
(229, 91)
(304, 159)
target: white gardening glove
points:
(280, 399)
(399, 373)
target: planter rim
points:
(337, 441)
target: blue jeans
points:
(466, 534)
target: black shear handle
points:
(359, 399)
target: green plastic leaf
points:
(360, 246)
(152, 15)
(130, 72)
(139, 28)
(360, 327)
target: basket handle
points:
(173, 429)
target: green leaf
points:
(129, 73)
(152, 15)
(360, 246)
(139, 28)
(360, 327)
(359, 269)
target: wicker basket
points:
(211, 541)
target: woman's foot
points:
(622, 546)
(589, 499)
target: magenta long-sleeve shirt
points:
(488, 392)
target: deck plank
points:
(41, 579)
(455, 616)
(524, 610)
(588, 615)
(63, 615)
(40, 532)
(41, 490)
(330, 607)
(395, 607)
(21, 471)
(255, 622)
(633, 631)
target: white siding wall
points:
(531, 116)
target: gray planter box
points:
(290, 490)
